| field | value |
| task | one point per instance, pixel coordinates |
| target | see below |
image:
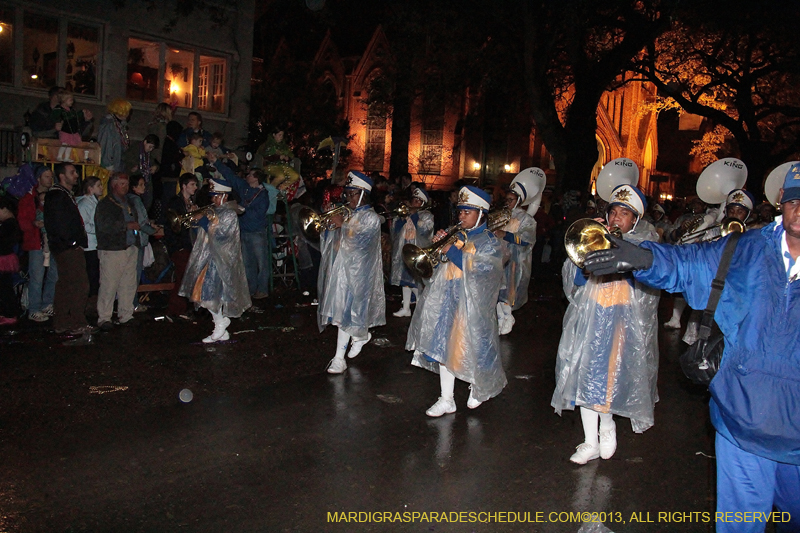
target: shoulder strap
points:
(717, 285)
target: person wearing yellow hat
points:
(454, 328)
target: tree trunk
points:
(759, 160)
(401, 128)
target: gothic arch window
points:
(375, 146)
(430, 158)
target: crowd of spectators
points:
(154, 181)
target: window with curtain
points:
(211, 84)
(143, 60)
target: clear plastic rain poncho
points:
(404, 231)
(518, 268)
(215, 276)
(350, 283)
(608, 354)
(455, 322)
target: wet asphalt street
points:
(270, 442)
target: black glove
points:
(622, 257)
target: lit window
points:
(179, 77)
(142, 78)
(211, 84)
(40, 51)
(177, 84)
(6, 45)
(374, 156)
(83, 47)
(430, 159)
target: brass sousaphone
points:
(713, 187)
(532, 180)
(586, 234)
(774, 183)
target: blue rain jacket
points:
(755, 401)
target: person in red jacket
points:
(42, 269)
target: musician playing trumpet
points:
(350, 283)
(215, 277)
(454, 329)
(416, 228)
(608, 355)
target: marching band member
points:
(417, 228)
(738, 205)
(350, 282)
(520, 236)
(215, 277)
(754, 395)
(454, 330)
(608, 355)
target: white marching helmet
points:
(620, 171)
(529, 184)
(720, 178)
(774, 183)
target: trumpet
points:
(587, 235)
(312, 224)
(712, 233)
(422, 261)
(403, 210)
(189, 220)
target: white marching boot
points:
(220, 332)
(406, 309)
(338, 364)
(445, 404)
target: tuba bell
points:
(774, 183)
(587, 235)
(620, 171)
(312, 224)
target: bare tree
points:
(739, 67)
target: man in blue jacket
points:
(259, 200)
(755, 396)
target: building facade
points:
(102, 50)
(442, 150)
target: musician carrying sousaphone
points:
(608, 355)
(454, 328)
(519, 235)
